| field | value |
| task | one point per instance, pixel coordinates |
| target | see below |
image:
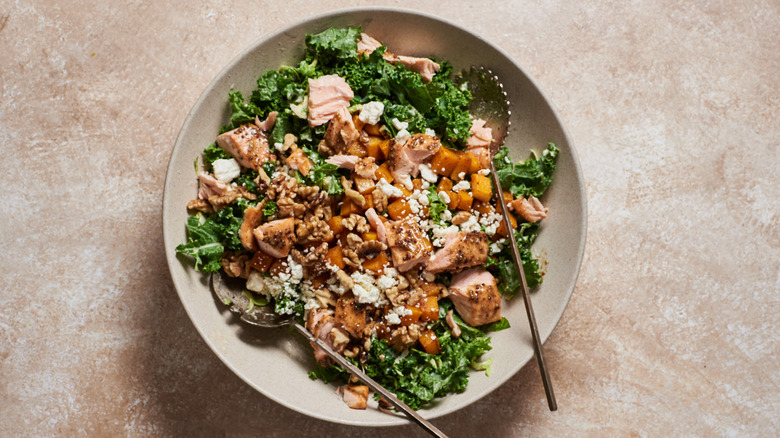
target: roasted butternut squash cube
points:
(444, 161)
(481, 188)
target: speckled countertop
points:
(674, 108)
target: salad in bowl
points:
(352, 191)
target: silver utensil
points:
(490, 102)
(232, 294)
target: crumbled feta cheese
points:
(497, 246)
(428, 174)
(484, 172)
(471, 224)
(393, 319)
(445, 198)
(399, 125)
(406, 181)
(428, 276)
(463, 185)
(414, 206)
(490, 221)
(403, 136)
(389, 189)
(279, 146)
(446, 216)
(429, 131)
(226, 170)
(296, 270)
(365, 290)
(425, 185)
(254, 281)
(371, 112)
(440, 234)
(462, 175)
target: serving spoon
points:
(491, 103)
(232, 293)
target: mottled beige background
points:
(673, 106)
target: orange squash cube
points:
(481, 188)
(501, 230)
(445, 185)
(372, 129)
(430, 309)
(335, 257)
(444, 161)
(399, 209)
(411, 318)
(378, 264)
(473, 162)
(261, 261)
(384, 172)
(465, 200)
(461, 169)
(430, 342)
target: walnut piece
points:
(200, 205)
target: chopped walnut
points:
(289, 141)
(355, 197)
(357, 223)
(308, 193)
(312, 256)
(461, 217)
(404, 337)
(403, 283)
(245, 193)
(324, 149)
(235, 265)
(353, 240)
(370, 247)
(200, 205)
(325, 297)
(345, 280)
(380, 200)
(221, 201)
(351, 258)
(312, 230)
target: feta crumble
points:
(462, 185)
(403, 136)
(484, 172)
(445, 198)
(399, 125)
(371, 112)
(388, 189)
(428, 174)
(429, 131)
(226, 170)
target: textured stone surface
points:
(672, 328)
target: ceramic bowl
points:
(276, 362)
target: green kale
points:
(269, 167)
(435, 205)
(270, 208)
(213, 153)
(322, 174)
(241, 111)
(333, 45)
(203, 243)
(530, 177)
(247, 179)
(509, 279)
(497, 326)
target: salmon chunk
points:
(341, 133)
(275, 238)
(424, 66)
(247, 144)
(530, 209)
(299, 161)
(405, 159)
(253, 217)
(355, 396)
(327, 95)
(267, 124)
(343, 161)
(475, 296)
(461, 250)
(350, 315)
(320, 322)
(408, 244)
(379, 226)
(208, 186)
(481, 136)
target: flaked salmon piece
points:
(343, 161)
(327, 95)
(482, 154)
(253, 218)
(424, 66)
(366, 168)
(408, 244)
(341, 133)
(299, 161)
(320, 322)
(350, 315)
(405, 159)
(530, 209)
(355, 396)
(210, 186)
(379, 226)
(475, 296)
(247, 144)
(461, 250)
(367, 44)
(481, 136)
(267, 124)
(275, 238)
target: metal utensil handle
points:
(548, 390)
(376, 387)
